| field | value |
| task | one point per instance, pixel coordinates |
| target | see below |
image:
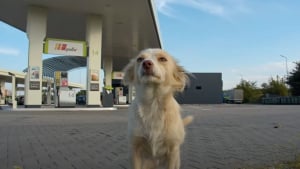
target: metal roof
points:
(61, 63)
(20, 78)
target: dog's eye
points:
(140, 59)
(162, 59)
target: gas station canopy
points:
(109, 33)
(128, 26)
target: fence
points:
(281, 100)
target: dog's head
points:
(155, 66)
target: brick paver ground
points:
(221, 136)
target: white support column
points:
(13, 91)
(36, 32)
(2, 92)
(108, 70)
(48, 92)
(94, 39)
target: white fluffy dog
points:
(156, 129)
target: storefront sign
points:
(65, 47)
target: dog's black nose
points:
(147, 64)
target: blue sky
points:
(240, 38)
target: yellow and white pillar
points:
(108, 69)
(2, 91)
(36, 33)
(94, 40)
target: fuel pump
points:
(63, 96)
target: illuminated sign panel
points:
(61, 78)
(118, 75)
(65, 47)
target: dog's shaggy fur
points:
(156, 129)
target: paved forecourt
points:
(221, 136)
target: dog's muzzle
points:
(147, 67)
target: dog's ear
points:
(181, 78)
(129, 73)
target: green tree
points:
(251, 93)
(275, 87)
(294, 80)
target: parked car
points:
(20, 100)
(8, 101)
(81, 100)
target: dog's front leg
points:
(137, 159)
(137, 153)
(174, 158)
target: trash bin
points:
(107, 99)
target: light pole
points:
(286, 66)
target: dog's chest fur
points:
(151, 117)
(152, 123)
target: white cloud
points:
(208, 6)
(258, 73)
(9, 51)
(165, 7)
(220, 8)
(272, 69)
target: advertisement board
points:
(34, 73)
(118, 75)
(61, 79)
(34, 85)
(34, 78)
(64, 79)
(94, 80)
(65, 47)
(94, 75)
(57, 78)
(94, 87)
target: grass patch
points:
(289, 165)
(295, 164)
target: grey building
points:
(204, 88)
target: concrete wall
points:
(204, 88)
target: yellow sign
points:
(57, 78)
